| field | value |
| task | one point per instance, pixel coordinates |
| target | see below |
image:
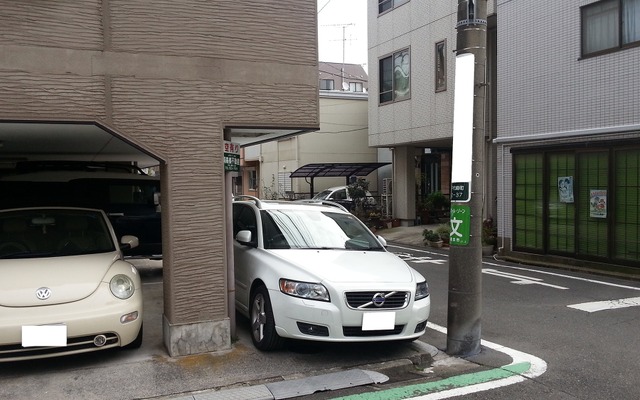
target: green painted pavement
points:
(407, 392)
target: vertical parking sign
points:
(460, 225)
(231, 156)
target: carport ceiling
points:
(250, 136)
(33, 141)
(87, 141)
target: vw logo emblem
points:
(43, 293)
(378, 299)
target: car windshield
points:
(322, 195)
(52, 233)
(315, 229)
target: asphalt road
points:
(592, 350)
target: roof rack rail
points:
(322, 202)
(248, 197)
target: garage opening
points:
(83, 165)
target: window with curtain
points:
(627, 205)
(395, 77)
(386, 5)
(355, 86)
(327, 84)
(610, 24)
(253, 179)
(592, 230)
(561, 205)
(528, 201)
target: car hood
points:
(69, 278)
(347, 266)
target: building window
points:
(386, 5)
(355, 86)
(253, 179)
(395, 77)
(441, 66)
(610, 24)
(327, 84)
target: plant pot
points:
(487, 250)
(437, 244)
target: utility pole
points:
(467, 193)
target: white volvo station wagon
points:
(313, 271)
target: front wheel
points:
(263, 327)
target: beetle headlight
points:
(422, 290)
(305, 290)
(122, 286)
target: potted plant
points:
(444, 231)
(432, 238)
(489, 237)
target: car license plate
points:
(44, 335)
(378, 321)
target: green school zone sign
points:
(460, 225)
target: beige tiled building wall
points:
(169, 76)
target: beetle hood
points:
(67, 279)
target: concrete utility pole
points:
(467, 197)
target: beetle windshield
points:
(44, 232)
(315, 229)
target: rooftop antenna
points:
(344, 40)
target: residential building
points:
(569, 130)
(342, 138)
(165, 83)
(562, 119)
(411, 70)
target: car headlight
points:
(305, 290)
(422, 290)
(122, 286)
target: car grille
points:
(16, 352)
(357, 331)
(364, 300)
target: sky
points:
(336, 16)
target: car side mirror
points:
(244, 237)
(129, 242)
(382, 241)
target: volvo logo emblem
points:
(378, 299)
(43, 293)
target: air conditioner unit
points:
(387, 186)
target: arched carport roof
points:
(335, 169)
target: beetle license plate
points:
(378, 321)
(44, 335)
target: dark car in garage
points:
(130, 197)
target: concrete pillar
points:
(404, 185)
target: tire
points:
(263, 327)
(137, 342)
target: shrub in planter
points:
(444, 231)
(432, 238)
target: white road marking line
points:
(607, 304)
(520, 279)
(538, 367)
(534, 270)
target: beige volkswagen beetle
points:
(65, 288)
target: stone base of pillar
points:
(202, 337)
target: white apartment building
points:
(562, 159)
